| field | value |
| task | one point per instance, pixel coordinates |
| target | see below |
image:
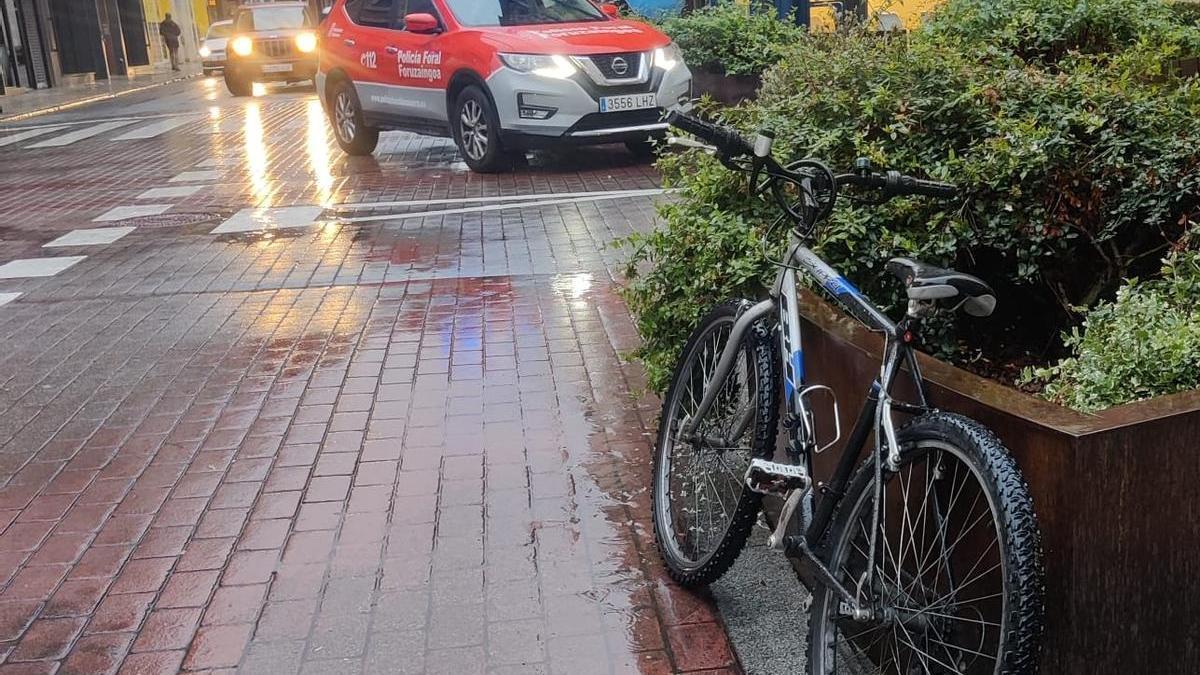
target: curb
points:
(17, 117)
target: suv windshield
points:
(220, 30)
(523, 12)
(272, 18)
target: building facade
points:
(25, 58)
(46, 43)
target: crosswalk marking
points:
(154, 129)
(195, 176)
(90, 237)
(137, 211)
(37, 267)
(6, 298)
(255, 220)
(22, 135)
(170, 192)
(79, 135)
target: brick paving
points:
(402, 446)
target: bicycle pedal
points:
(775, 478)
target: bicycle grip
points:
(727, 141)
(927, 188)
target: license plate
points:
(277, 68)
(628, 102)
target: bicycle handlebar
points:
(729, 144)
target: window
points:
(279, 17)
(221, 29)
(523, 12)
(420, 7)
(374, 13)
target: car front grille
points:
(626, 118)
(275, 47)
(610, 65)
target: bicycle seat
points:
(926, 282)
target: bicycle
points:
(905, 579)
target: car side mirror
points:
(610, 9)
(421, 23)
(324, 14)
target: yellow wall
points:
(200, 8)
(909, 11)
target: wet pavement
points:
(274, 409)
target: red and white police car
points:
(498, 76)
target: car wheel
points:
(238, 86)
(351, 130)
(642, 148)
(476, 128)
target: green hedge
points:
(727, 38)
(1144, 343)
(1077, 155)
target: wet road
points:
(270, 408)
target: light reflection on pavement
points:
(407, 445)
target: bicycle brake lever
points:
(689, 143)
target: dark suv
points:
(271, 42)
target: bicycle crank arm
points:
(797, 546)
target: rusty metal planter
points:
(728, 89)
(1117, 496)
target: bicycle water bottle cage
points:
(928, 284)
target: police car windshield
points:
(220, 30)
(523, 12)
(280, 17)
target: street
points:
(269, 407)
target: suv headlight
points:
(667, 57)
(242, 45)
(306, 42)
(546, 65)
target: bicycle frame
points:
(875, 414)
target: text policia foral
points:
(420, 65)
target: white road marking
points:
(137, 211)
(6, 298)
(28, 133)
(257, 220)
(128, 118)
(499, 198)
(494, 207)
(170, 192)
(78, 135)
(90, 237)
(153, 129)
(196, 176)
(37, 267)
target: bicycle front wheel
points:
(702, 510)
(957, 570)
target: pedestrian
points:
(169, 30)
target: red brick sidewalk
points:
(204, 467)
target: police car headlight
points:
(546, 65)
(306, 42)
(667, 57)
(205, 52)
(242, 45)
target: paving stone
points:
(303, 446)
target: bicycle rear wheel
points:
(702, 510)
(957, 570)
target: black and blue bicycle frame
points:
(877, 408)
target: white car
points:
(212, 50)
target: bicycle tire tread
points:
(746, 513)
(1023, 546)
